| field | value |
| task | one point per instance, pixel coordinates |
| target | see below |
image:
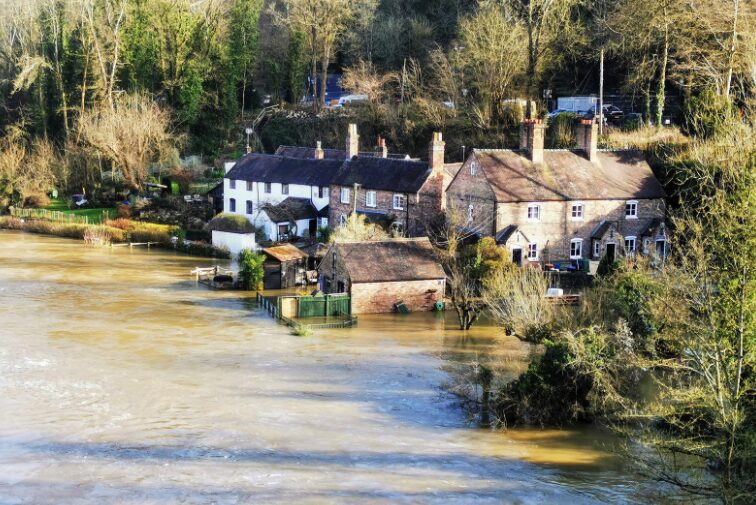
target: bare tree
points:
(132, 135)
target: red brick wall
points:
(380, 297)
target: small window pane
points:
(232, 205)
(345, 195)
(250, 185)
(534, 212)
(232, 183)
(250, 207)
(577, 211)
(532, 251)
(576, 249)
(284, 189)
(267, 187)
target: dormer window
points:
(534, 212)
(631, 209)
(577, 211)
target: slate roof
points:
(505, 233)
(390, 260)
(329, 154)
(291, 209)
(285, 252)
(601, 229)
(568, 175)
(272, 168)
(386, 174)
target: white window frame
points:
(473, 167)
(580, 206)
(634, 214)
(579, 243)
(250, 186)
(537, 208)
(284, 188)
(401, 201)
(630, 252)
(267, 188)
(532, 247)
(597, 249)
(371, 198)
(342, 220)
(232, 184)
(346, 195)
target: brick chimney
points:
(587, 139)
(352, 141)
(319, 154)
(382, 149)
(436, 153)
(531, 139)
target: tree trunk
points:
(313, 82)
(733, 47)
(661, 91)
(324, 78)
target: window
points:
(345, 195)
(322, 192)
(534, 212)
(250, 207)
(284, 189)
(283, 231)
(232, 204)
(577, 211)
(399, 202)
(596, 249)
(473, 167)
(631, 209)
(370, 199)
(576, 248)
(629, 245)
(268, 187)
(532, 251)
(470, 212)
(342, 220)
(232, 183)
(250, 185)
(333, 260)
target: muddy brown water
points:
(122, 381)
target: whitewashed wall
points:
(234, 242)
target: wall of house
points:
(234, 242)
(556, 227)
(430, 205)
(380, 297)
(467, 189)
(384, 204)
(270, 229)
(258, 196)
(331, 271)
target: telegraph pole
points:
(601, 94)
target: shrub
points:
(206, 250)
(36, 200)
(561, 131)
(251, 269)
(301, 331)
(233, 223)
(124, 210)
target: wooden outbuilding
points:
(381, 275)
(285, 266)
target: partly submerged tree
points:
(251, 270)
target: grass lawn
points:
(94, 215)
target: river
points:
(125, 382)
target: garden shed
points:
(285, 266)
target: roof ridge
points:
(384, 240)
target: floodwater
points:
(122, 381)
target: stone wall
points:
(472, 189)
(380, 297)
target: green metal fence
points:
(324, 305)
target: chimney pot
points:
(436, 152)
(532, 139)
(587, 139)
(319, 154)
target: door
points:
(517, 256)
(611, 250)
(313, 227)
(272, 276)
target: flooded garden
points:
(123, 381)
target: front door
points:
(517, 256)
(313, 227)
(611, 250)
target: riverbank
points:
(115, 231)
(125, 382)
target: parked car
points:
(613, 113)
(632, 121)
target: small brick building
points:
(548, 205)
(379, 274)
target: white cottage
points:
(259, 184)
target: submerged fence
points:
(53, 215)
(335, 309)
